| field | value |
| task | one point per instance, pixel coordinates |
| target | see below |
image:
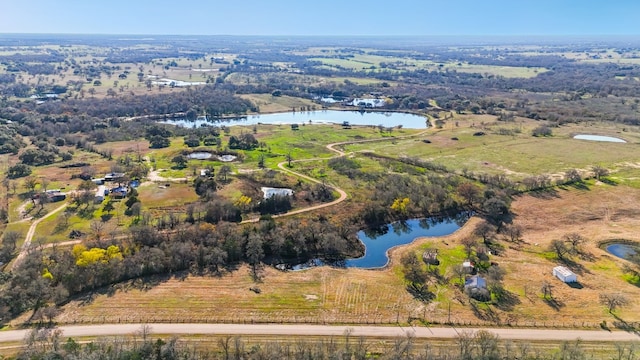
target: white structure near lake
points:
(564, 274)
(372, 103)
(269, 192)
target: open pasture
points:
(517, 154)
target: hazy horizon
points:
(466, 18)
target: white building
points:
(564, 274)
(269, 192)
(100, 192)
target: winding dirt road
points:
(329, 330)
(339, 153)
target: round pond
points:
(598, 138)
(227, 158)
(622, 250)
(200, 155)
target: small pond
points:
(378, 242)
(599, 138)
(227, 158)
(622, 250)
(200, 155)
(386, 119)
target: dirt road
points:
(327, 330)
(31, 232)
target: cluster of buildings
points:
(116, 192)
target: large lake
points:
(378, 242)
(386, 119)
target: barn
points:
(564, 274)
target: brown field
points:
(328, 295)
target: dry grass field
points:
(329, 295)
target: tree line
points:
(49, 343)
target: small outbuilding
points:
(469, 267)
(101, 191)
(476, 287)
(565, 274)
(475, 282)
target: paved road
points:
(328, 330)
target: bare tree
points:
(469, 244)
(487, 345)
(560, 248)
(572, 176)
(547, 289)
(30, 183)
(224, 172)
(599, 171)
(485, 230)
(97, 227)
(459, 271)
(512, 232)
(613, 300)
(44, 184)
(575, 240)
(469, 192)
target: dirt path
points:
(329, 330)
(32, 230)
(22, 211)
(154, 174)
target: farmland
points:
(197, 240)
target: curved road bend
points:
(328, 330)
(339, 153)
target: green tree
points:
(289, 158)
(181, 161)
(108, 207)
(400, 205)
(18, 171)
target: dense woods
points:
(49, 278)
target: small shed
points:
(101, 191)
(119, 192)
(469, 267)
(564, 274)
(430, 257)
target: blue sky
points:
(324, 17)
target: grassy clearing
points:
(370, 62)
(518, 155)
(271, 104)
(177, 195)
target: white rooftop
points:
(563, 271)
